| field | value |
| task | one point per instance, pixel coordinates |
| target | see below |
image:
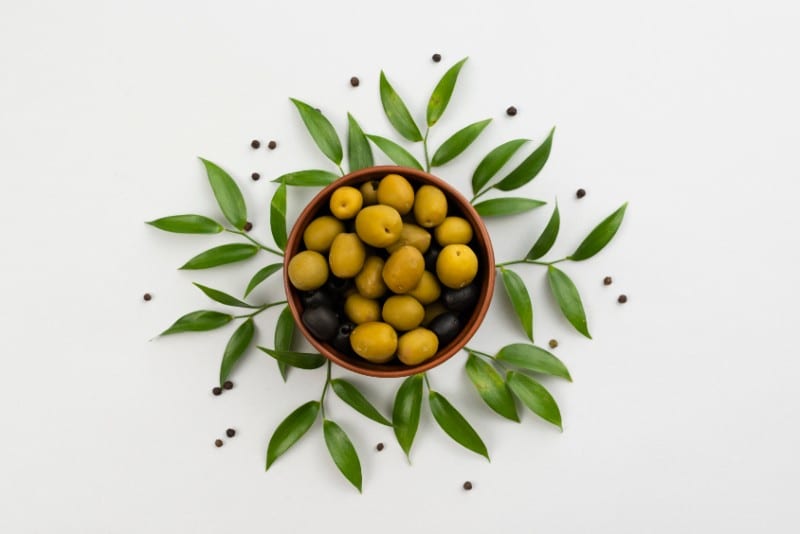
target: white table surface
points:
(683, 415)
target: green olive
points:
(396, 191)
(456, 266)
(416, 346)
(430, 206)
(378, 226)
(374, 341)
(369, 281)
(403, 270)
(347, 255)
(454, 231)
(362, 310)
(345, 202)
(427, 290)
(403, 312)
(320, 232)
(308, 270)
(413, 235)
(369, 192)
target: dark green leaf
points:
(568, 298)
(405, 413)
(454, 424)
(535, 397)
(359, 153)
(442, 93)
(342, 451)
(301, 360)
(491, 387)
(321, 131)
(534, 359)
(277, 216)
(352, 396)
(506, 206)
(397, 112)
(396, 153)
(600, 236)
(187, 224)
(198, 321)
(458, 142)
(262, 275)
(291, 429)
(236, 346)
(309, 178)
(284, 337)
(223, 298)
(228, 195)
(221, 255)
(520, 299)
(529, 168)
(493, 162)
(548, 237)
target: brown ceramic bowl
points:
(458, 205)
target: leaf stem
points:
(479, 194)
(325, 389)
(260, 309)
(255, 242)
(425, 150)
(427, 383)
(532, 262)
(341, 171)
(479, 353)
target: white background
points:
(683, 414)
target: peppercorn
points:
(553, 343)
(511, 111)
(248, 226)
(217, 391)
(271, 145)
(230, 432)
(436, 58)
(354, 81)
(255, 143)
(147, 296)
(218, 443)
(379, 446)
(255, 176)
(228, 384)
(580, 193)
(467, 485)
(607, 281)
(622, 299)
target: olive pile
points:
(388, 273)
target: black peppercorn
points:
(580, 193)
(607, 281)
(467, 485)
(271, 145)
(622, 299)
(255, 143)
(230, 432)
(248, 226)
(511, 111)
(217, 391)
(379, 447)
(553, 343)
(147, 296)
(228, 384)
(218, 443)
(255, 176)
(436, 58)
(354, 81)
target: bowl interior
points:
(457, 205)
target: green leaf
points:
(396, 153)
(454, 424)
(535, 397)
(262, 275)
(406, 410)
(321, 131)
(221, 255)
(342, 451)
(284, 337)
(228, 195)
(506, 206)
(223, 298)
(458, 142)
(309, 178)
(520, 299)
(301, 360)
(359, 152)
(397, 112)
(291, 429)
(548, 237)
(568, 298)
(236, 346)
(529, 168)
(198, 321)
(352, 396)
(277, 216)
(187, 224)
(600, 236)
(534, 359)
(442, 93)
(493, 162)
(491, 387)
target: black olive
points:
(431, 256)
(446, 327)
(336, 285)
(342, 340)
(317, 299)
(322, 322)
(460, 299)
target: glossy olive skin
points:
(446, 327)
(341, 341)
(345, 202)
(456, 266)
(347, 255)
(320, 232)
(427, 290)
(336, 286)
(308, 270)
(322, 322)
(412, 235)
(432, 311)
(416, 346)
(379, 226)
(453, 231)
(317, 298)
(396, 191)
(369, 192)
(369, 281)
(402, 312)
(362, 310)
(403, 270)
(375, 342)
(430, 206)
(459, 300)
(431, 256)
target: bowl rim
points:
(294, 241)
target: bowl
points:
(481, 244)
